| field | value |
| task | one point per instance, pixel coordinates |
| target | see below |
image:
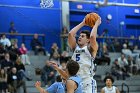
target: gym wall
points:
(30, 18)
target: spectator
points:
(2, 52)
(132, 65)
(14, 52)
(128, 52)
(21, 69)
(136, 50)
(63, 65)
(5, 41)
(48, 74)
(7, 64)
(103, 57)
(36, 45)
(123, 63)
(117, 71)
(125, 50)
(55, 53)
(117, 45)
(12, 28)
(64, 35)
(15, 81)
(3, 81)
(64, 57)
(24, 56)
(13, 31)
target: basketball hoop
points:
(46, 3)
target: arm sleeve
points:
(21, 51)
(52, 88)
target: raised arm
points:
(72, 34)
(60, 71)
(93, 42)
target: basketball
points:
(91, 18)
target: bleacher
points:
(39, 61)
(36, 62)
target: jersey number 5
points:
(77, 57)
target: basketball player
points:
(85, 51)
(109, 88)
(73, 81)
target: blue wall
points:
(119, 13)
(30, 18)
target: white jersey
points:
(85, 60)
(110, 90)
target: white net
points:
(46, 3)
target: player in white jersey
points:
(85, 50)
(109, 88)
